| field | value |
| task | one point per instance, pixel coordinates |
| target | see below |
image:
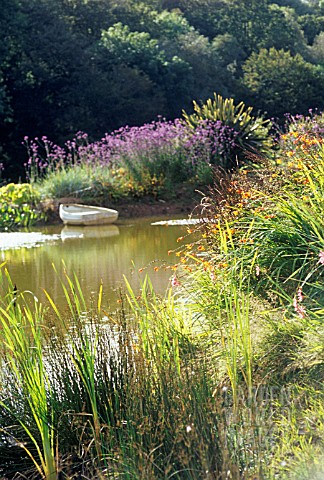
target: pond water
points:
(95, 254)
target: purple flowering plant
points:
(131, 160)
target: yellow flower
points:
(223, 265)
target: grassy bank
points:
(222, 378)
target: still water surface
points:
(95, 254)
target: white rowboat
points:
(75, 214)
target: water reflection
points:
(71, 233)
(95, 254)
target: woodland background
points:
(96, 65)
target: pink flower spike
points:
(175, 282)
(300, 296)
(257, 270)
(212, 276)
(299, 309)
(321, 257)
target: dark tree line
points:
(89, 65)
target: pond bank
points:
(145, 207)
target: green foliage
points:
(317, 49)
(132, 48)
(100, 186)
(277, 79)
(252, 346)
(312, 25)
(283, 31)
(19, 194)
(95, 66)
(137, 49)
(251, 132)
(18, 206)
(22, 336)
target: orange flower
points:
(246, 195)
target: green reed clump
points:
(260, 353)
(27, 399)
(127, 395)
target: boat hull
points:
(86, 215)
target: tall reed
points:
(23, 355)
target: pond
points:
(95, 254)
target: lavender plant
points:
(132, 161)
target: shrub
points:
(18, 206)
(233, 132)
(282, 82)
